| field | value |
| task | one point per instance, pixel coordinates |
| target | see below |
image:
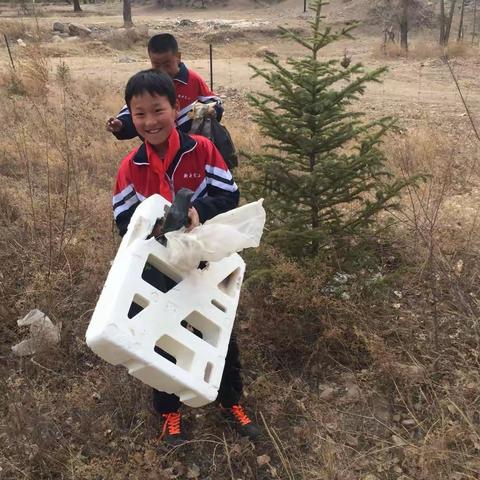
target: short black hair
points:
(150, 81)
(162, 43)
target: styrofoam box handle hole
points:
(229, 284)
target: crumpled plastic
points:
(43, 333)
(217, 238)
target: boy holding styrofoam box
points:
(166, 162)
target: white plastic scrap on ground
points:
(43, 333)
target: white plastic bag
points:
(43, 333)
(217, 238)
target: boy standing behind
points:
(167, 161)
(189, 85)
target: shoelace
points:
(172, 422)
(240, 415)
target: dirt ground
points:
(414, 88)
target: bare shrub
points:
(14, 29)
(126, 38)
(388, 12)
(423, 49)
(31, 74)
(296, 313)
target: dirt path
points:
(412, 89)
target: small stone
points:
(397, 440)
(459, 268)
(265, 51)
(327, 394)
(351, 441)
(60, 27)
(185, 22)
(263, 460)
(193, 471)
(353, 393)
(413, 373)
(126, 60)
(76, 29)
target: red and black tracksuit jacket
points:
(190, 87)
(191, 161)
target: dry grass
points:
(423, 49)
(27, 29)
(14, 29)
(392, 347)
(127, 38)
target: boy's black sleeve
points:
(220, 192)
(217, 201)
(125, 200)
(219, 111)
(128, 130)
(123, 220)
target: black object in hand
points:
(177, 215)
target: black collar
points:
(182, 75)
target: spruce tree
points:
(321, 172)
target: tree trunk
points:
(127, 13)
(474, 21)
(460, 27)
(76, 6)
(404, 25)
(449, 22)
(442, 22)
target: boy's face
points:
(153, 117)
(167, 62)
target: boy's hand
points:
(194, 219)
(157, 229)
(114, 125)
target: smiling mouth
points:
(153, 131)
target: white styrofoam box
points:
(206, 299)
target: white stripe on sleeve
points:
(124, 111)
(219, 172)
(221, 185)
(200, 189)
(121, 195)
(210, 97)
(125, 206)
(184, 110)
(183, 120)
